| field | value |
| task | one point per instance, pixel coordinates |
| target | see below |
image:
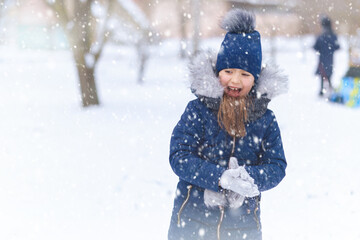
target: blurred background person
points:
(326, 44)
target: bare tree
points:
(85, 25)
(86, 38)
(142, 32)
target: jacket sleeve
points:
(185, 159)
(271, 169)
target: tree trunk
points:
(143, 56)
(87, 85)
(195, 9)
(182, 25)
(82, 37)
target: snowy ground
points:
(103, 172)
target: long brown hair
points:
(232, 115)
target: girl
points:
(226, 148)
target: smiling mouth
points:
(234, 89)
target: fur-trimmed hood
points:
(205, 84)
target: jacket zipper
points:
(222, 212)
(255, 215)
(184, 203)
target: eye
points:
(228, 71)
(246, 74)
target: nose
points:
(236, 78)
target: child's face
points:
(236, 82)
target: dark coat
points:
(200, 152)
(326, 44)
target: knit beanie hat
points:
(241, 47)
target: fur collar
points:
(204, 83)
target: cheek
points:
(249, 83)
(223, 81)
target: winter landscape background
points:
(103, 173)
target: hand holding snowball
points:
(238, 180)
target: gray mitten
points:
(238, 180)
(234, 199)
(214, 199)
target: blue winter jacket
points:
(200, 149)
(326, 44)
